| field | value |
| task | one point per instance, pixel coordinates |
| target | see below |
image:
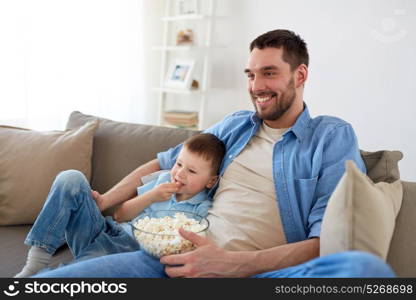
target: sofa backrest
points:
(402, 249)
(119, 147)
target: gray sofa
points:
(118, 148)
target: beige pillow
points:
(30, 161)
(360, 214)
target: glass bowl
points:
(157, 232)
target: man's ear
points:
(212, 181)
(301, 75)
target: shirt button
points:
(230, 156)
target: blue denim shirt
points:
(308, 162)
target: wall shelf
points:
(184, 18)
(178, 91)
(199, 52)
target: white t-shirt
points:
(245, 215)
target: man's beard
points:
(281, 106)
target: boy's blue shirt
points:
(198, 204)
(308, 162)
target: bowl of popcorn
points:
(157, 231)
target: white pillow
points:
(360, 215)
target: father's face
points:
(270, 83)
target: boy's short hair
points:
(209, 147)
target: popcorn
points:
(160, 236)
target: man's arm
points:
(209, 260)
(126, 188)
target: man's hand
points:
(99, 199)
(164, 191)
(207, 260)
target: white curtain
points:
(57, 56)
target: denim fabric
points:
(71, 214)
(139, 264)
(343, 264)
(308, 162)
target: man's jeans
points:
(71, 214)
(139, 264)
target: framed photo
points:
(185, 37)
(180, 74)
(187, 7)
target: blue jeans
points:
(71, 215)
(139, 264)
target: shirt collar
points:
(300, 126)
(198, 198)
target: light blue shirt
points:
(308, 162)
(198, 204)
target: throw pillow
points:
(29, 163)
(360, 214)
(382, 165)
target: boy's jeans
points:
(71, 214)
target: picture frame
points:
(187, 7)
(185, 37)
(179, 75)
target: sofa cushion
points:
(119, 148)
(382, 166)
(13, 251)
(402, 250)
(360, 214)
(29, 162)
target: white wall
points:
(363, 61)
(362, 69)
(57, 56)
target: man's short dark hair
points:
(209, 147)
(295, 51)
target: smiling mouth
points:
(264, 99)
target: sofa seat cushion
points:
(13, 251)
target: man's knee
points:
(364, 264)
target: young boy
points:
(70, 213)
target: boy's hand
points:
(164, 191)
(99, 199)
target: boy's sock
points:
(37, 259)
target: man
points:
(280, 168)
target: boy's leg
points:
(122, 265)
(69, 212)
(343, 264)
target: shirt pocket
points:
(305, 190)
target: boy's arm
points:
(126, 188)
(131, 208)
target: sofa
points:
(118, 148)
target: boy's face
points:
(192, 172)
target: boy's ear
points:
(212, 181)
